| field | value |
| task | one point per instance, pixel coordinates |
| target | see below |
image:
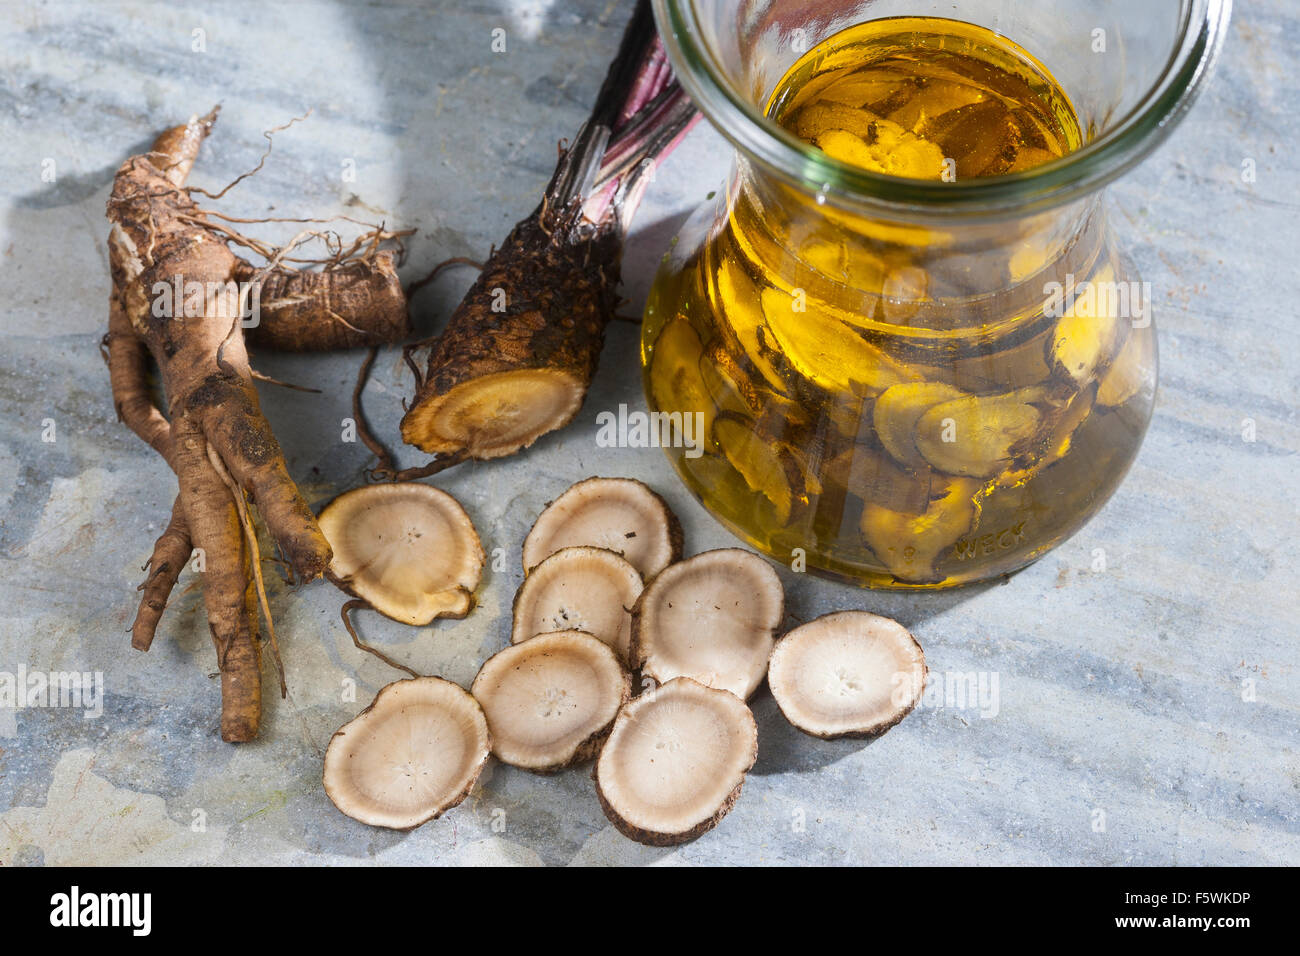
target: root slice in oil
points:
(976, 436)
(899, 408)
(910, 543)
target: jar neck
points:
(718, 46)
(943, 273)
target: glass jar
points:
(911, 383)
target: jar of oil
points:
(895, 389)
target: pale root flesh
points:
(851, 673)
(583, 589)
(550, 701)
(619, 514)
(675, 761)
(408, 549)
(713, 618)
(414, 753)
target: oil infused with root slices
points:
(904, 401)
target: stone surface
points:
(1120, 693)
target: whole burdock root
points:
(211, 431)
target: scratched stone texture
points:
(1120, 693)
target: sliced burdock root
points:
(898, 409)
(728, 387)
(1133, 370)
(845, 264)
(733, 390)
(619, 514)
(407, 549)
(847, 674)
(868, 473)
(676, 384)
(494, 414)
(909, 543)
(1059, 426)
(550, 701)
(827, 352)
(770, 468)
(736, 301)
(413, 754)
(978, 435)
(579, 589)
(713, 618)
(675, 761)
(1087, 334)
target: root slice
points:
(675, 761)
(847, 674)
(495, 414)
(713, 618)
(413, 754)
(410, 550)
(619, 514)
(550, 702)
(580, 589)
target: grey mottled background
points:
(1121, 693)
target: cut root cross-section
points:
(408, 549)
(847, 674)
(675, 761)
(619, 514)
(550, 701)
(712, 618)
(408, 757)
(580, 589)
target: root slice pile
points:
(713, 618)
(409, 550)
(582, 589)
(847, 674)
(619, 514)
(675, 761)
(550, 701)
(211, 430)
(670, 763)
(413, 754)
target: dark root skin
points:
(386, 467)
(518, 354)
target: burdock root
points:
(182, 297)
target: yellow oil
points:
(895, 401)
(926, 99)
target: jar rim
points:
(1071, 177)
